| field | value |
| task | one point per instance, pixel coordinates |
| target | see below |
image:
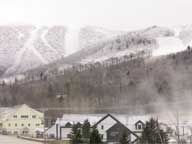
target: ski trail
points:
(45, 31)
(28, 46)
(168, 45)
(71, 40)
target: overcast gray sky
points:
(113, 14)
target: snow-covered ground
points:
(13, 140)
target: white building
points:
(21, 119)
(62, 129)
(106, 123)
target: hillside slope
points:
(136, 85)
(102, 46)
(136, 71)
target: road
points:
(14, 140)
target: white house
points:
(62, 128)
(104, 124)
(108, 122)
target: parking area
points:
(4, 139)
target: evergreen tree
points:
(86, 129)
(124, 139)
(95, 137)
(76, 137)
(152, 134)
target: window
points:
(102, 127)
(29, 125)
(15, 116)
(22, 125)
(68, 135)
(9, 124)
(24, 116)
(15, 125)
(139, 126)
(37, 124)
(33, 116)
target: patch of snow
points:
(21, 35)
(177, 31)
(168, 45)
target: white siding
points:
(65, 132)
(51, 131)
(106, 124)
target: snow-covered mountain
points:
(97, 46)
(26, 47)
(156, 40)
(100, 45)
(91, 35)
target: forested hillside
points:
(128, 81)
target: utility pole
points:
(158, 131)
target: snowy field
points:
(13, 140)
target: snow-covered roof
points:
(130, 121)
(75, 118)
(39, 129)
(5, 112)
(127, 120)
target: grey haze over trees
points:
(138, 81)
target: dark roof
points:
(121, 125)
(109, 115)
(137, 137)
(135, 141)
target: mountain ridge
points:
(96, 45)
